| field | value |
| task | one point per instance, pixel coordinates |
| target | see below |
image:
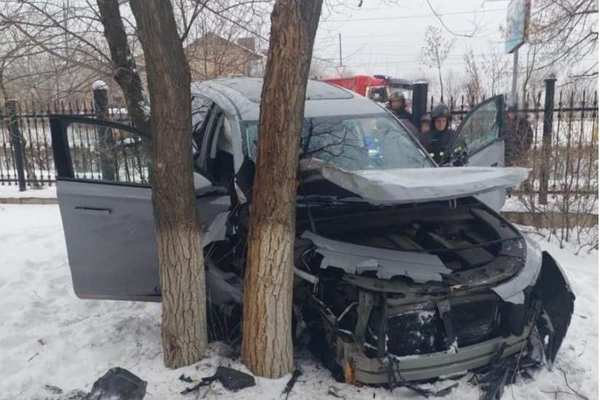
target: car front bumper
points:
(375, 371)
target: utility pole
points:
(550, 84)
(513, 93)
(517, 23)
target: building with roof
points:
(212, 56)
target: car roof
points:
(322, 99)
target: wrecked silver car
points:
(404, 271)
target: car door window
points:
(104, 152)
(482, 126)
(214, 124)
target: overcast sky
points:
(386, 37)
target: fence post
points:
(546, 139)
(107, 160)
(419, 102)
(16, 143)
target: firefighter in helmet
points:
(441, 141)
(397, 105)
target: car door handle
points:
(93, 210)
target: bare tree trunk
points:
(441, 81)
(267, 348)
(439, 68)
(178, 233)
(3, 90)
(124, 66)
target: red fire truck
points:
(376, 87)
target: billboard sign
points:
(517, 23)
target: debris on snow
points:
(230, 378)
(37, 296)
(234, 380)
(335, 392)
(53, 389)
(118, 384)
(290, 385)
(185, 378)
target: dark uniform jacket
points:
(402, 114)
(444, 147)
(518, 137)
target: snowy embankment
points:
(12, 191)
(50, 341)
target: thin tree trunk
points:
(439, 68)
(267, 348)
(124, 66)
(3, 90)
(178, 233)
(441, 82)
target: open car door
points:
(480, 131)
(104, 195)
(103, 187)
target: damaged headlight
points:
(512, 291)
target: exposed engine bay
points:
(402, 293)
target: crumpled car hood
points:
(413, 185)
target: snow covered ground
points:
(12, 191)
(50, 337)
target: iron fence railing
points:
(25, 141)
(562, 154)
(561, 192)
(562, 149)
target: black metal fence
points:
(25, 142)
(561, 192)
(562, 153)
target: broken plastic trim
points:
(357, 259)
(558, 302)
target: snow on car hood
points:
(410, 185)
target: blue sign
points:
(517, 22)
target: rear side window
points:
(200, 109)
(104, 153)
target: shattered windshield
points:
(353, 143)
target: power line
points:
(383, 35)
(409, 62)
(408, 55)
(441, 21)
(416, 16)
